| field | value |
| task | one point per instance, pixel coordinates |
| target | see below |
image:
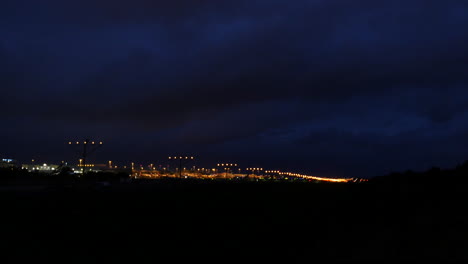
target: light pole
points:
(85, 152)
(227, 167)
(182, 161)
(253, 170)
(272, 173)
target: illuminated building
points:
(47, 168)
(7, 163)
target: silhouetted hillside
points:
(399, 217)
(447, 180)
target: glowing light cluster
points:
(307, 177)
(224, 170)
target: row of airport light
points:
(85, 142)
(227, 165)
(308, 177)
(290, 174)
(181, 158)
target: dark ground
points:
(169, 221)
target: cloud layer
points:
(345, 87)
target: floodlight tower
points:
(253, 170)
(272, 173)
(92, 145)
(226, 167)
(182, 161)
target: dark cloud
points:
(340, 75)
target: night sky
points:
(326, 87)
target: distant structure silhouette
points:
(182, 161)
(89, 147)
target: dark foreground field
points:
(242, 222)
